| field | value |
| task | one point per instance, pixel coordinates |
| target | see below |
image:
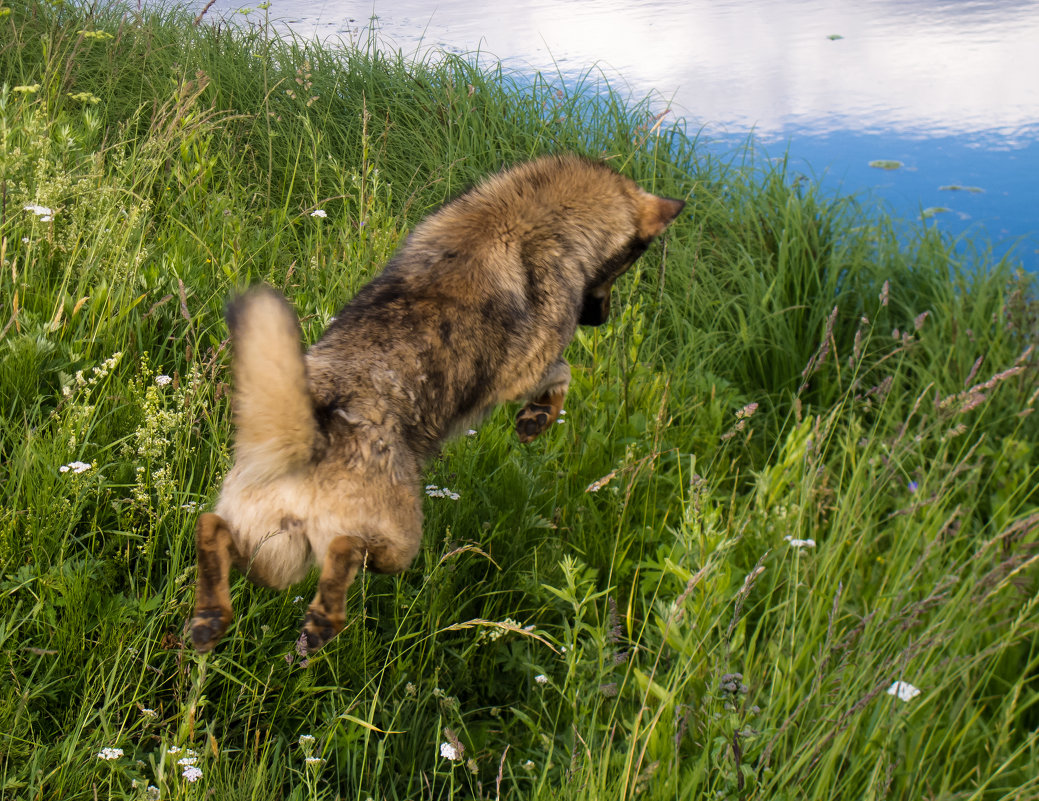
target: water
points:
(949, 89)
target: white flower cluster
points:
(796, 543)
(110, 753)
(903, 691)
(191, 772)
(448, 751)
(82, 382)
(433, 491)
(163, 380)
(45, 214)
(75, 467)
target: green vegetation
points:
(801, 452)
(886, 164)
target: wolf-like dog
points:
(474, 309)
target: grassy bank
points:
(798, 466)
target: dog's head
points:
(652, 214)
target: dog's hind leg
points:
(216, 551)
(539, 413)
(326, 615)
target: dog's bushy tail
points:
(273, 411)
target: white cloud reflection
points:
(910, 68)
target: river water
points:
(948, 89)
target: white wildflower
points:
(173, 749)
(796, 543)
(45, 214)
(305, 739)
(903, 690)
(188, 760)
(319, 213)
(528, 765)
(191, 773)
(110, 753)
(314, 760)
(448, 751)
(163, 380)
(471, 432)
(149, 713)
(541, 678)
(433, 491)
(153, 793)
(75, 467)
(296, 600)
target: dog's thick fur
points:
(475, 309)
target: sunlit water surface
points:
(949, 89)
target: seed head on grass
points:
(819, 357)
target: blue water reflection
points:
(950, 89)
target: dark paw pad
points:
(318, 630)
(532, 420)
(207, 627)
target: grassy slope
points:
(893, 426)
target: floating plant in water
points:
(974, 190)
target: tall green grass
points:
(629, 607)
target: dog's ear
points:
(595, 310)
(656, 213)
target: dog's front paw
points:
(318, 629)
(207, 627)
(533, 420)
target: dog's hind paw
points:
(207, 627)
(533, 419)
(318, 629)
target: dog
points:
(474, 309)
